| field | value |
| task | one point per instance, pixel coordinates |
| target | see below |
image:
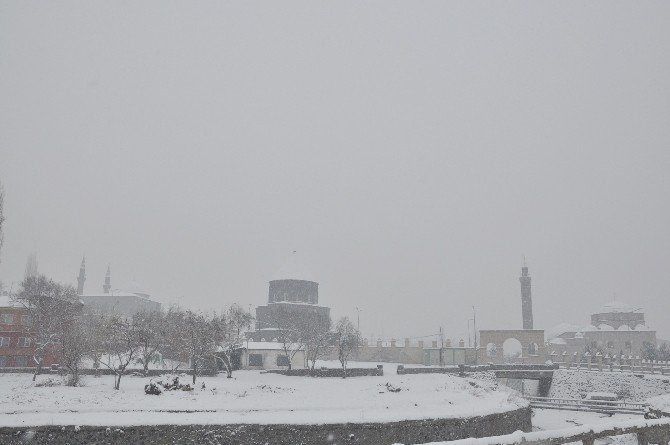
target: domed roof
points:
(617, 306)
(561, 329)
(293, 269)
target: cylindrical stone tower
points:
(526, 299)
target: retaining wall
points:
(106, 371)
(329, 372)
(407, 432)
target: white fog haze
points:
(411, 154)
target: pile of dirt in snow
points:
(574, 384)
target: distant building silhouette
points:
(82, 277)
(526, 298)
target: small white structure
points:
(268, 355)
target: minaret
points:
(526, 298)
(82, 277)
(108, 285)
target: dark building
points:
(291, 295)
(526, 299)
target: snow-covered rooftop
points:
(617, 306)
(6, 301)
(561, 329)
(263, 346)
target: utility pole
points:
(441, 347)
(358, 318)
(469, 334)
(474, 324)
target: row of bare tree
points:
(61, 326)
(311, 332)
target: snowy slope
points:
(251, 397)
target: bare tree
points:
(229, 333)
(176, 343)
(75, 345)
(347, 339)
(289, 331)
(200, 333)
(151, 335)
(92, 324)
(121, 345)
(316, 335)
(51, 306)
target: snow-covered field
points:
(549, 419)
(574, 384)
(251, 397)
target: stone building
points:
(615, 329)
(526, 298)
(269, 355)
(292, 293)
(123, 302)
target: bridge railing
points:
(647, 432)
(612, 363)
(600, 406)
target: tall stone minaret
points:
(108, 282)
(82, 277)
(526, 298)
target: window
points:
(25, 320)
(21, 362)
(282, 360)
(3, 361)
(255, 359)
(4, 341)
(24, 342)
(7, 318)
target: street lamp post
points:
(358, 318)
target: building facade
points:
(615, 329)
(17, 347)
(292, 296)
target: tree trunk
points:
(194, 371)
(146, 367)
(117, 380)
(38, 368)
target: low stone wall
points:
(106, 371)
(406, 432)
(329, 372)
(466, 368)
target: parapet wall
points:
(407, 432)
(329, 372)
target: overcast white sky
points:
(411, 152)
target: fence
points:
(600, 406)
(647, 431)
(472, 368)
(612, 363)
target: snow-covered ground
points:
(575, 384)
(660, 403)
(251, 397)
(551, 419)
